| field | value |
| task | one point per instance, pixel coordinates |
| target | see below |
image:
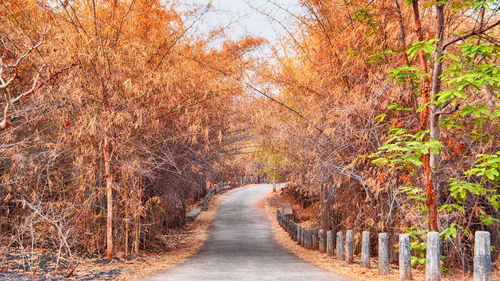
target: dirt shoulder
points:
(273, 201)
(182, 245)
(353, 271)
(188, 244)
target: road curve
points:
(241, 246)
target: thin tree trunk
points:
(434, 117)
(324, 209)
(109, 196)
(126, 221)
(137, 234)
(402, 31)
(424, 119)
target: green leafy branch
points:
(487, 169)
(404, 149)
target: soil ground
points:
(241, 247)
(182, 245)
(275, 200)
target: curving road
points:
(241, 246)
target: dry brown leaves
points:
(354, 271)
(184, 245)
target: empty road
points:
(241, 246)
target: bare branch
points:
(472, 33)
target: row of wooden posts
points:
(314, 239)
(246, 180)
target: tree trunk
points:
(324, 209)
(424, 119)
(137, 234)
(434, 117)
(109, 196)
(126, 221)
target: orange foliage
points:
(126, 112)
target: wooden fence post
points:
(365, 249)
(404, 257)
(329, 243)
(303, 239)
(482, 256)
(296, 232)
(433, 258)
(340, 246)
(315, 239)
(322, 241)
(299, 235)
(383, 254)
(309, 239)
(349, 246)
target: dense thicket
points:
(114, 118)
(390, 110)
(113, 122)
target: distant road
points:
(241, 247)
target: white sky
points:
(257, 18)
(244, 17)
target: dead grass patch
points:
(308, 218)
(189, 245)
(181, 245)
(354, 271)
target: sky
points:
(244, 17)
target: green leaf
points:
(451, 231)
(491, 173)
(380, 161)
(380, 118)
(495, 201)
(415, 161)
(427, 46)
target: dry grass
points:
(180, 246)
(355, 271)
(183, 245)
(306, 217)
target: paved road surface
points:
(241, 247)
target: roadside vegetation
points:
(388, 120)
(115, 119)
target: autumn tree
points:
(373, 98)
(126, 126)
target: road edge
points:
(200, 228)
